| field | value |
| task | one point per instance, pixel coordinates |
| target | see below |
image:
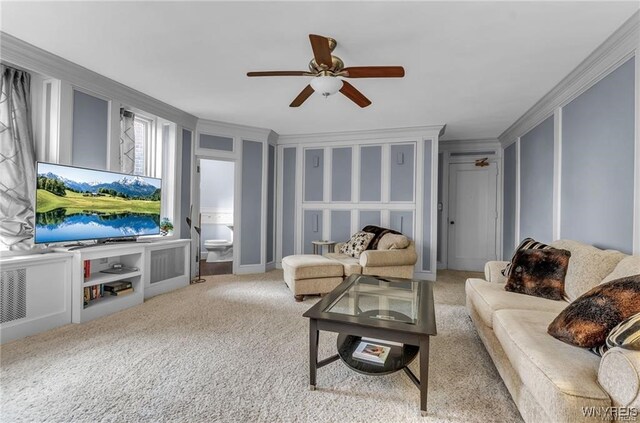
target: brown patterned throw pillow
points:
(526, 244)
(539, 273)
(587, 321)
(357, 244)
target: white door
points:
(473, 215)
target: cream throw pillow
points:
(393, 242)
(587, 267)
(629, 266)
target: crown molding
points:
(215, 127)
(371, 134)
(615, 50)
(27, 56)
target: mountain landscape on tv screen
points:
(76, 204)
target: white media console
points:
(39, 292)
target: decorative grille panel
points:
(13, 295)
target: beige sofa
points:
(549, 380)
(308, 274)
(386, 263)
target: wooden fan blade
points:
(374, 72)
(280, 73)
(321, 50)
(354, 95)
(304, 94)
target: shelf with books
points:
(102, 278)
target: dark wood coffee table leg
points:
(313, 353)
(424, 374)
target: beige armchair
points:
(388, 263)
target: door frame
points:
(236, 199)
(467, 151)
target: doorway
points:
(472, 215)
(216, 216)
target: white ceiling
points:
(475, 66)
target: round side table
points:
(317, 246)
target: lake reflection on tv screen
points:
(57, 226)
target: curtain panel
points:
(127, 142)
(17, 160)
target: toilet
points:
(218, 250)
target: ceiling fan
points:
(328, 70)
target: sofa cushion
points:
(487, 297)
(587, 267)
(311, 266)
(539, 272)
(628, 266)
(561, 377)
(587, 321)
(357, 244)
(393, 242)
(351, 265)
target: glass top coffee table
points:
(385, 309)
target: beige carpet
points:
(235, 349)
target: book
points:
(117, 286)
(374, 353)
(382, 341)
(122, 292)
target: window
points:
(155, 138)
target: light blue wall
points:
(440, 201)
(369, 217)
(251, 203)
(185, 183)
(312, 230)
(370, 173)
(536, 182)
(340, 225)
(341, 174)
(598, 163)
(215, 142)
(426, 207)
(288, 201)
(402, 221)
(313, 175)
(90, 131)
(509, 202)
(216, 184)
(402, 176)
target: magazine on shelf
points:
(374, 353)
(382, 341)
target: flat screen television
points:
(79, 204)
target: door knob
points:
(452, 222)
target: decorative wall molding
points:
(30, 57)
(374, 134)
(615, 50)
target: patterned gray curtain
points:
(17, 160)
(127, 142)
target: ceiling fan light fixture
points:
(326, 85)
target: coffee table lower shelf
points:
(399, 357)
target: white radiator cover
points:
(35, 295)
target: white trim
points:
(28, 56)
(249, 269)
(636, 209)
(433, 265)
(517, 217)
(351, 137)
(557, 173)
(609, 55)
(470, 145)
